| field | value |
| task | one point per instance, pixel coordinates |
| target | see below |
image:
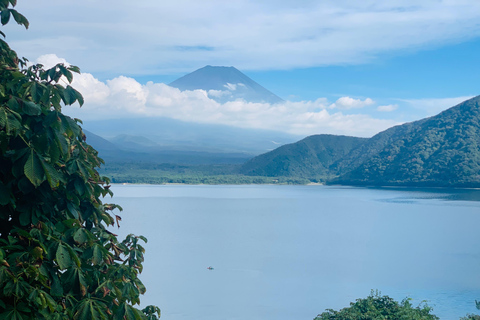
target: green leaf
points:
(33, 169)
(74, 69)
(31, 108)
(12, 315)
(90, 309)
(80, 236)
(63, 257)
(65, 72)
(36, 91)
(53, 176)
(20, 19)
(73, 255)
(79, 98)
(13, 104)
(56, 289)
(71, 208)
(5, 16)
(25, 218)
(97, 257)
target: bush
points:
(377, 307)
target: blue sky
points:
(344, 67)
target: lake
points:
(290, 252)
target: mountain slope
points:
(443, 150)
(225, 84)
(307, 158)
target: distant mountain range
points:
(443, 150)
(225, 84)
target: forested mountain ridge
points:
(443, 150)
(308, 158)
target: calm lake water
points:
(290, 252)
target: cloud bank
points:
(124, 97)
(155, 37)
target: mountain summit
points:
(225, 84)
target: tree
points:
(377, 307)
(57, 258)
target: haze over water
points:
(290, 252)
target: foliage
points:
(57, 259)
(308, 158)
(377, 307)
(162, 173)
(471, 317)
(440, 151)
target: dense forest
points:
(443, 150)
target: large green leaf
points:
(19, 18)
(91, 309)
(97, 256)
(80, 236)
(33, 169)
(5, 16)
(63, 257)
(31, 108)
(53, 176)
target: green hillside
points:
(443, 150)
(311, 157)
(438, 151)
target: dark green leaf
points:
(33, 169)
(53, 176)
(5, 16)
(63, 257)
(25, 218)
(97, 257)
(80, 236)
(13, 104)
(32, 109)
(19, 18)
(56, 288)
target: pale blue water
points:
(290, 252)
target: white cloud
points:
(176, 36)
(387, 108)
(346, 103)
(49, 60)
(124, 97)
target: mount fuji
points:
(224, 84)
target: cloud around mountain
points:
(124, 97)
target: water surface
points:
(290, 252)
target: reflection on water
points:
(290, 252)
(449, 194)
